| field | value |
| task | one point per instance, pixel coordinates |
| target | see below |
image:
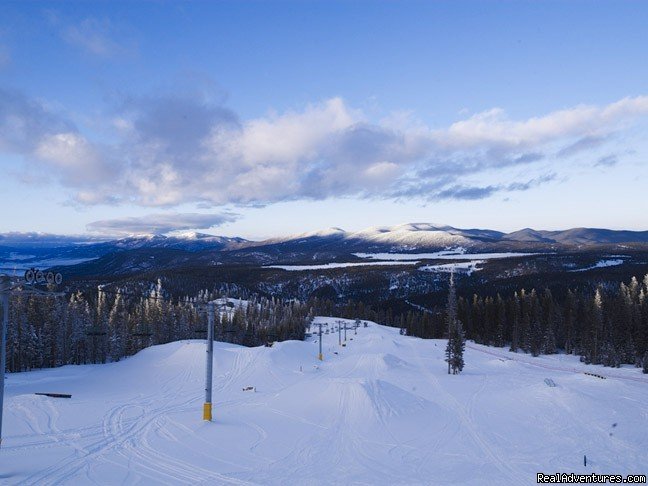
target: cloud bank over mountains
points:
(160, 223)
(168, 150)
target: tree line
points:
(110, 324)
(606, 325)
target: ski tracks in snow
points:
(465, 413)
(124, 440)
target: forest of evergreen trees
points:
(108, 325)
(606, 324)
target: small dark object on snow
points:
(614, 424)
(585, 461)
(54, 395)
(249, 388)
(595, 375)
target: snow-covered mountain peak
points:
(333, 231)
(412, 235)
(421, 227)
(189, 235)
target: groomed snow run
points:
(383, 410)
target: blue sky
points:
(265, 118)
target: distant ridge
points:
(404, 236)
(580, 236)
(190, 249)
(425, 235)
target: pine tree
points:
(117, 324)
(569, 322)
(596, 327)
(501, 322)
(645, 362)
(515, 323)
(456, 338)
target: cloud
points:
(525, 186)
(182, 147)
(71, 154)
(492, 128)
(51, 142)
(24, 122)
(466, 192)
(463, 192)
(97, 37)
(581, 145)
(160, 223)
(607, 161)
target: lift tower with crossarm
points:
(27, 286)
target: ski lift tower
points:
(211, 311)
(26, 286)
(320, 342)
(207, 407)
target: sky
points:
(268, 118)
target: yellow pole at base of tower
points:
(207, 412)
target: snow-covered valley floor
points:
(383, 410)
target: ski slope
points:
(383, 410)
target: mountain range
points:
(21, 250)
(418, 235)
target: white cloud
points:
(75, 158)
(493, 128)
(381, 170)
(178, 149)
(290, 137)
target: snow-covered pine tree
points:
(456, 339)
(596, 327)
(118, 328)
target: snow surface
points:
(441, 255)
(383, 410)
(413, 235)
(326, 266)
(22, 264)
(600, 264)
(464, 267)
(410, 235)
